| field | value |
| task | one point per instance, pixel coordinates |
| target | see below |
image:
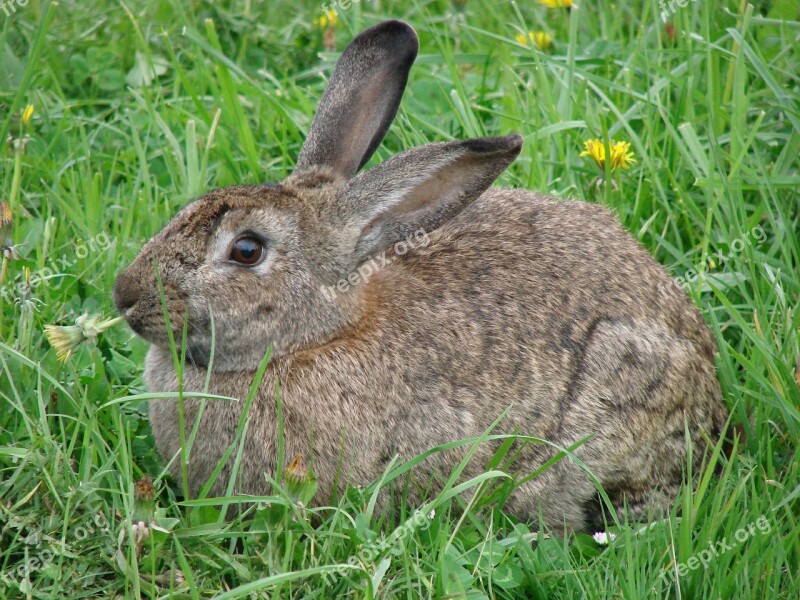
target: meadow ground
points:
(140, 106)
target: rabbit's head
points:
(263, 265)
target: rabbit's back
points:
(516, 256)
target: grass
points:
(141, 106)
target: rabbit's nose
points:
(127, 291)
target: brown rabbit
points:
(410, 305)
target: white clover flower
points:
(140, 532)
(604, 538)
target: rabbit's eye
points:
(247, 251)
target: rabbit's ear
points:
(421, 189)
(361, 100)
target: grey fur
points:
(518, 300)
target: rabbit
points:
(410, 305)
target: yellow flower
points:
(6, 217)
(556, 3)
(329, 19)
(143, 500)
(65, 340)
(27, 114)
(301, 484)
(621, 156)
(541, 39)
(7, 248)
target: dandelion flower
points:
(329, 19)
(621, 156)
(557, 3)
(6, 237)
(540, 39)
(66, 339)
(296, 471)
(27, 113)
(143, 499)
(301, 485)
(6, 218)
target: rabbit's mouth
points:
(144, 311)
(134, 319)
(197, 354)
(151, 327)
(136, 325)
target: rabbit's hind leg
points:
(636, 390)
